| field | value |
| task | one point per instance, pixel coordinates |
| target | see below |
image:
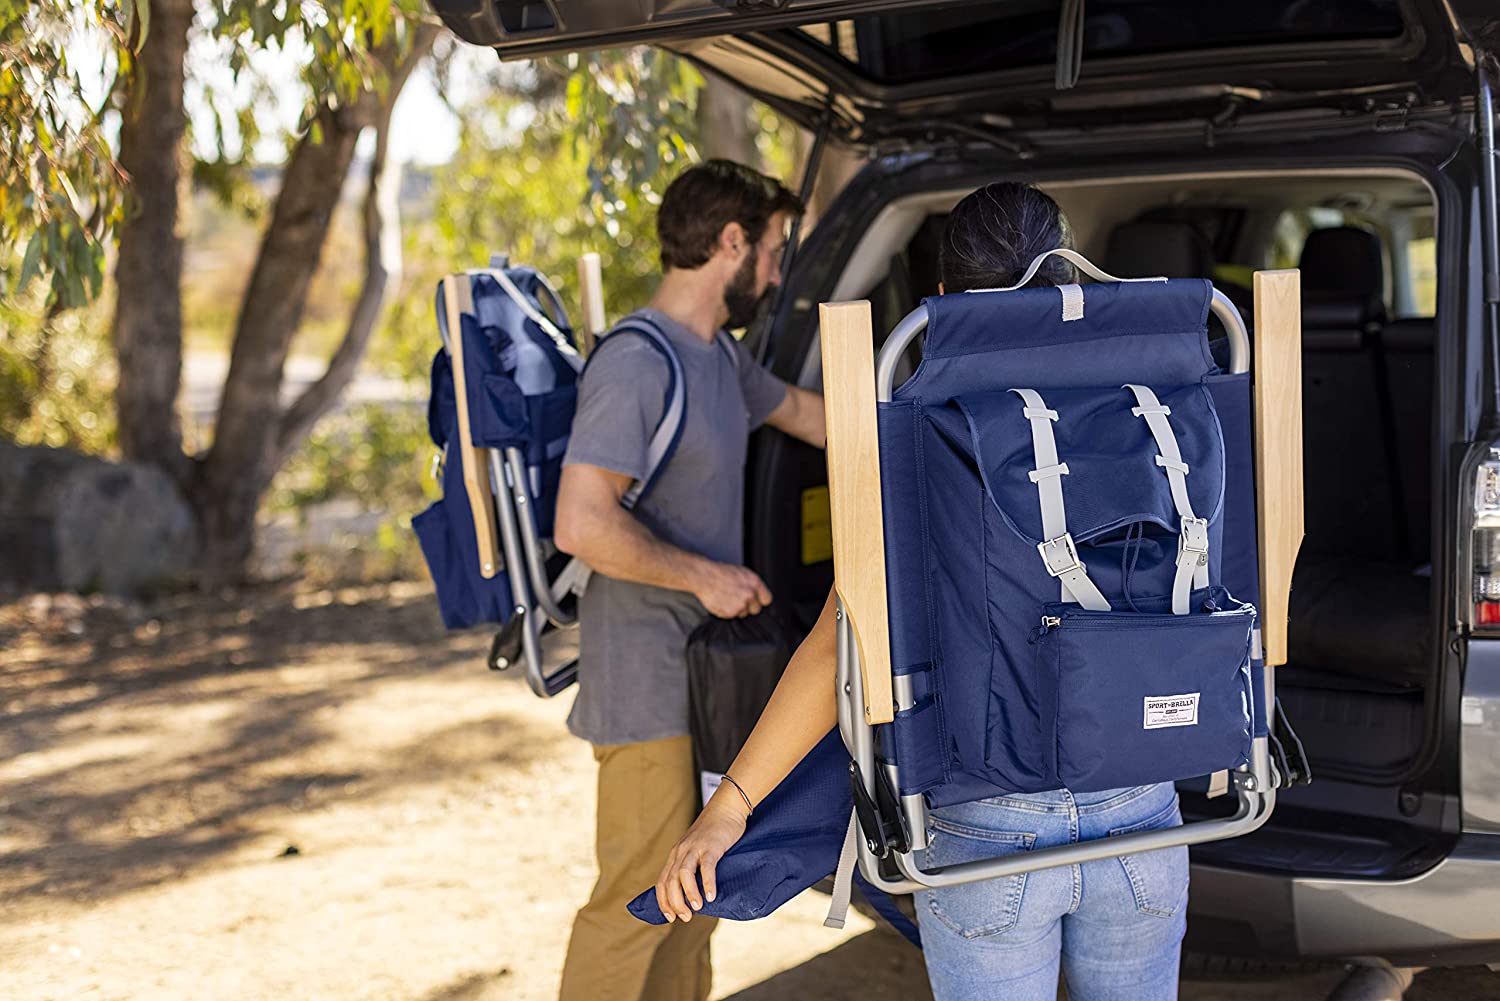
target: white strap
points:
(1072, 302)
(1192, 540)
(843, 876)
(1073, 257)
(1059, 554)
(574, 577)
(569, 353)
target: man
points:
(664, 567)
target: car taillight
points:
(1486, 545)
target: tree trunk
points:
(148, 272)
(724, 122)
(382, 232)
(252, 435)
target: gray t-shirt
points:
(632, 674)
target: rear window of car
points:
(1408, 240)
(909, 48)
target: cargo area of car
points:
(1362, 643)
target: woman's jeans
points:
(1115, 926)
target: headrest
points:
(1322, 311)
(1409, 335)
(1330, 341)
(1148, 249)
(1343, 260)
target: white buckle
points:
(1193, 538)
(1059, 555)
(1038, 475)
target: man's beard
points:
(740, 297)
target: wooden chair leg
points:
(1278, 448)
(854, 493)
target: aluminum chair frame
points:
(1254, 784)
(550, 656)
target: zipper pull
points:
(1049, 623)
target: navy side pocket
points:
(920, 747)
(1145, 697)
(464, 597)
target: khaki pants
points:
(647, 800)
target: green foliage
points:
(341, 38)
(633, 110)
(536, 201)
(547, 173)
(776, 139)
(526, 181)
(59, 185)
(61, 190)
(379, 456)
(374, 452)
(56, 376)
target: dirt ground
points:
(290, 792)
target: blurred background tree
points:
(554, 158)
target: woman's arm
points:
(802, 709)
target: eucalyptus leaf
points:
(31, 263)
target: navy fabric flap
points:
(1113, 478)
(498, 413)
(907, 553)
(791, 841)
(1147, 332)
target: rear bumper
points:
(1449, 915)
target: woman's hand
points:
(717, 828)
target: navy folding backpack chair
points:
(503, 395)
(1068, 507)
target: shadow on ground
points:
(144, 743)
(877, 966)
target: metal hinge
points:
(1390, 112)
(1392, 119)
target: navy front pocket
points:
(1145, 697)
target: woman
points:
(1114, 927)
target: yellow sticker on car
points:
(817, 526)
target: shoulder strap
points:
(669, 432)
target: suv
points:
(1353, 140)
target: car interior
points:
(1362, 648)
